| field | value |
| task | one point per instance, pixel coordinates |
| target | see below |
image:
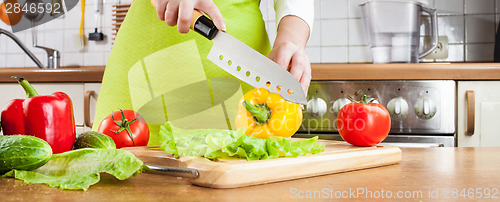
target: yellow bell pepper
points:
(265, 114)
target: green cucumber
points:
(23, 152)
(92, 139)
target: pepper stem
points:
(30, 91)
(260, 112)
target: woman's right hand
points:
(180, 12)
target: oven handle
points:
(470, 112)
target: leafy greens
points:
(78, 169)
(215, 143)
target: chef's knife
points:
(245, 63)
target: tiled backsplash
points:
(62, 34)
(338, 35)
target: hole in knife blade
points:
(248, 73)
(268, 83)
(229, 62)
(257, 78)
(278, 88)
(238, 68)
(290, 91)
(221, 57)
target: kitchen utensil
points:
(231, 173)
(393, 30)
(118, 17)
(80, 38)
(97, 36)
(245, 63)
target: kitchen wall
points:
(337, 37)
(62, 34)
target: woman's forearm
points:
(292, 29)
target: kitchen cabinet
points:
(76, 91)
(478, 109)
(90, 99)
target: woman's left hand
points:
(288, 49)
(294, 59)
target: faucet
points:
(53, 56)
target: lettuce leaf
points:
(215, 143)
(79, 169)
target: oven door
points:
(404, 141)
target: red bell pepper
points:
(49, 117)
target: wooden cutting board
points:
(232, 173)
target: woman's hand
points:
(288, 49)
(180, 12)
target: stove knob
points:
(398, 108)
(425, 108)
(316, 107)
(338, 104)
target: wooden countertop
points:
(446, 170)
(422, 71)
(65, 74)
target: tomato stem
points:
(363, 98)
(30, 91)
(124, 125)
(261, 112)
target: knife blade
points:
(246, 64)
(253, 68)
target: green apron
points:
(165, 76)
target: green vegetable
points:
(78, 169)
(214, 143)
(92, 139)
(23, 152)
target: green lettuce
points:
(215, 143)
(79, 169)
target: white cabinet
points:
(478, 112)
(76, 91)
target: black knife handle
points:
(204, 26)
(201, 24)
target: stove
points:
(422, 111)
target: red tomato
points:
(126, 127)
(363, 124)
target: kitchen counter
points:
(424, 174)
(422, 71)
(65, 74)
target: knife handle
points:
(204, 26)
(200, 23)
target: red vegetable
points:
(49, 117)
(126, 127)
(363, 123)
